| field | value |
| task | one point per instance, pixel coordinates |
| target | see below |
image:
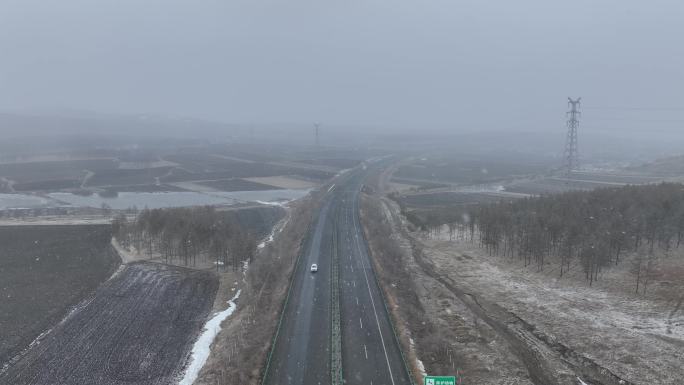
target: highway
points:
(342, 296)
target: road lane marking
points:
(357, 301)
(360, 323)
(354, 283)
(377, 319)
(352, 268)
(331, 187)
(365, 351)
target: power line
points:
(636, 108)
(641, 120)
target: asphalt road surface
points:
(303, 351)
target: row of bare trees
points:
(593, 229)
(181, 235)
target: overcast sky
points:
(485, 65)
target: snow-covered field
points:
(640, 338)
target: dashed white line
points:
(357, 301)
(370, 294)
(365, 351)
(360, 323)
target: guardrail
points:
(335, 318)
(382, 294)
(274, 341)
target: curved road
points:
(307, 348)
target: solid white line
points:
(377, 320)
(360, 323)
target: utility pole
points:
(571, 155)
(317, 126)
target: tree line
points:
(594, 229)
(182, 235)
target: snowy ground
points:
(638, 338)
(201, 349)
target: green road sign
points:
(440, 380)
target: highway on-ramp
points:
(336, 317)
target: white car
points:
(314, 268)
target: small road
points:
(303, 352)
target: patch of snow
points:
(273, 203)
(419, 363)
(344, 171)
(245, 266)
(276, 229)
(265, 242)
(201, 349)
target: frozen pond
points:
(10, 201)
(154, 200)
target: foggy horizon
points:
(464, 67)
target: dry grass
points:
(387, 260)
(240, 350)
(436, 329)
(638, 337)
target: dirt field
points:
(207, 167)
(237, 184)
(469, 170)
(50, 171)
(402, 187)
(447, 198)
(138, 328)
(284, 182)
(44, 271)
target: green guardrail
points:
(382, 295)
(335, 318)
(274, 341)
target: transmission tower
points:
(316, 126)
(571, 155)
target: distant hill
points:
(670, 166)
